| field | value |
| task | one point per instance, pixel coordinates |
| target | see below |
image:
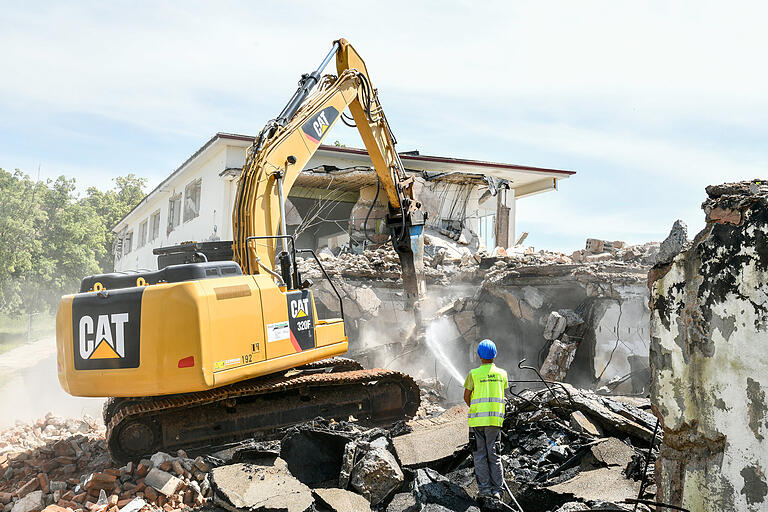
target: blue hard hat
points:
(486, 349)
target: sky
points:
(649, 102)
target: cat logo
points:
(301, 325)
(106, 329)
(317, 126)
(109, 339)
(300, 308)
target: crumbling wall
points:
(606, 315)
(709, 326)
(506, 298)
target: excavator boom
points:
(285, 146)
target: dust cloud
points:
(29, 386)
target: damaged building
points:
(480, 282)
(470, 201)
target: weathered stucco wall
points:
(709, 358)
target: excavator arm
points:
(287, 143)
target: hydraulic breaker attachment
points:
(408, 241)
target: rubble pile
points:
(644, 255)
(62, 463)
(444, 267)
(565, 449)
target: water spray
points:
(432, 340)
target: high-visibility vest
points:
(486, 407)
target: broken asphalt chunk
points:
(259, 488)
(340, 500)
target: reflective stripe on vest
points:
(486, 400)
(486, 414)
(487, 404)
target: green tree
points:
(20, 220)
(111, 206)
(72, 245)
(50, 238)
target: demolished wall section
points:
(708, 358)
(506, 298)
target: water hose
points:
(506, 488)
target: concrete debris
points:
(162, 481)
(65, 461)
(404, 502)
(31, 502)
(134, 505)
(328, 465)
(604, 484)
(613, 452)
(580, 423)
(432, 441)
(259, 488)
(574, 506)
(559, 359)
(673, 244)
(340, 500)
(376, 475)
(313, 455)
(556, 324)
(432, 488)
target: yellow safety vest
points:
(487, 404)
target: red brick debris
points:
(62, 465)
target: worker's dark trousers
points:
(488, 469)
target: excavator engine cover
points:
(185, 328)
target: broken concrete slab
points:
(32, 502)
(432, 488)
(603, 484)
(340, 500)
(580, 423)
(573, 506)
(611, 415)
(403, 502)
(673, 244)
(245, 486)
(555, 326)
(559, 359)
(313, 456)
(164, 482)
(134, 505)
(435, 439)
(377, 475)
(613, 452)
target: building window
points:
(174, 212)
(487, 231)
(142, 234)
(154, 226)
(192, 200)
(128, 242)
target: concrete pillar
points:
(709, 318)
(505, 218)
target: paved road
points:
(29, 386)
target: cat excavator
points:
(211, 352)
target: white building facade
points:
(195, 202)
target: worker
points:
(484, 394)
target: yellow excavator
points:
(206, 353)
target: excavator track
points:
(257, 408)
(332, 364)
